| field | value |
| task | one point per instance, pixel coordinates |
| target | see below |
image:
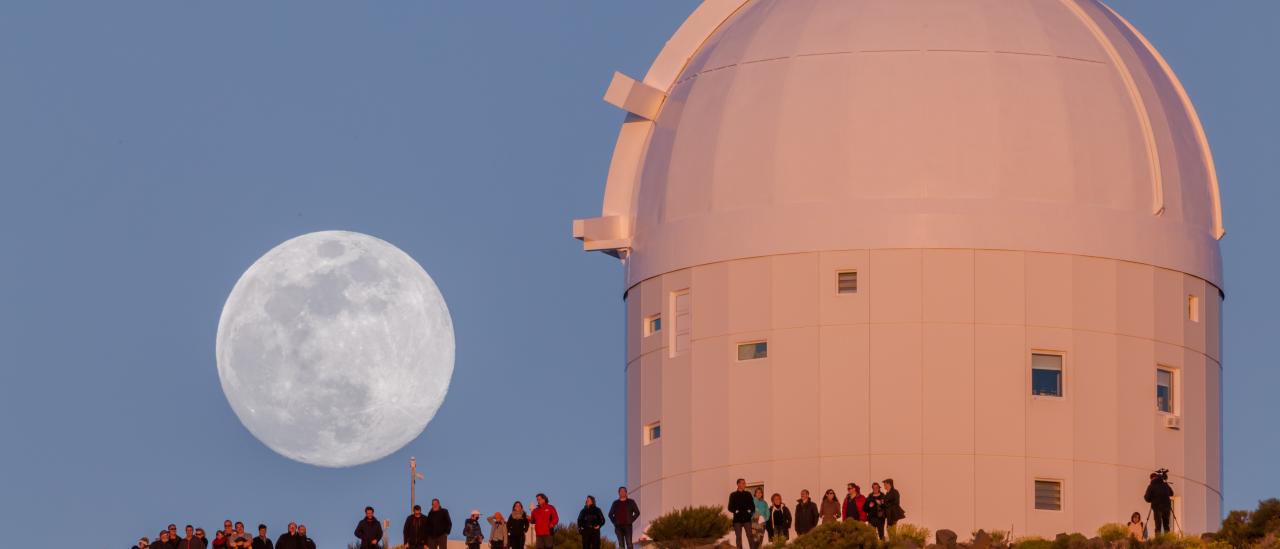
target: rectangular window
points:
(1046, 374)
(1164, 390)
(682, 323)
(652, 432)
(1049, 495)
(652, 325)
(1193, 308)
(847, 282)
(753, 350)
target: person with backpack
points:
(471, 531)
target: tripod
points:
(1177, 528)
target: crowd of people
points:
(761, 520)
(231, 536)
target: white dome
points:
(801, 125)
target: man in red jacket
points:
(544, 519)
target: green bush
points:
(567, 537)
(1113, 531)
(778, 542)
(1073, 541)
(1252, 528)
(905, 532)
(689, 527)
(839, 535)
(1033, 543)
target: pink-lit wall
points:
(923, 375)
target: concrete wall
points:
(923, 375)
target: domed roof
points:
(801, 125)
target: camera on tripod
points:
(1162, 474)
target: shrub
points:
(1073, 541)
(905, 532)
(1248, 528)
(839, 535)
(1033, 543)
(567, 537)
(1113, 531)
(778, 542)
(689, 527)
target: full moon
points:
(335, 349)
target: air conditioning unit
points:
(1172, 422)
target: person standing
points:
(893, 511)
(162, 541)
(174, 538)
(758, 528)
(190, 541)
(874, 507)
(830, 508)
(262, 541)
(544, 520)
(623, 514)
(471, 531)
(204, 542)
(517, 526)
(219, 540)
(497, 531)
(806, 514)
(290, 539)
(439, 526)
(779, 524)
(743, 510)
(368, 530)
(415, 529)
(1159, 494)
(590, 520)
(1137, 530)
(239, 539)
(307, 542)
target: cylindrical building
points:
(971, 245)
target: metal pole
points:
(413, 482)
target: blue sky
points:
(151, 151)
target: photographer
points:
(1160, 496)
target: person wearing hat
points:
(439, 526)
(415, 529)
(471, 531)
(497, 531)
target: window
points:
(1049, 495)
(753, 350)
(1164, 390)
(652, 325)
(652, 432)
(1046, 375)
(682, 323)
(847, 282)
(1193, 308)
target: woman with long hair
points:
(874, 507)
(830, 508)
(892, 505)
(761, 517)
(779, 524)
(517, 525)
(590, 519)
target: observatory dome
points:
(793, 126)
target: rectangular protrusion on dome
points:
(601, 233)
(635, 97)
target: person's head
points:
(776, 498)
(591, 501)
(302, 530)
(742, 484)
(435, 505)
(226, 525)
(293, 528)
(173, 531)
(239, 527)
(1135, 518)
(622, 492)
(417, 510)
(143, 543)
(830, 495)
(542, 499)
(368, 512)
(758, 493)
(857, 490)
(804, 495)
(849, 488)
(517, 506)
(218, 535)
(164, 535)
(888, 484)
(200, 533)
(475, 514)
(190, 531)
(262, 530)
(875, 488)
(497, 516)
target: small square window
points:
(1164, 390)
(753, 350)
(847, 282)
(1049, 495)
(652, 325)
(1046, 375)
(652, 432)
(1193, 308)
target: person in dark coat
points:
(162, 541)
(415, 529)
(439, 526)
(262, 541)
(190, 541)
(471, 531)
(368, 530)
(1159, 495)
(806, 514)
(779, 522)
(517, 526)
(290, 539)
(893, 511)
(590, 520)
(623, 514)
(307, 543)
(743, 508)
(874, 507)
